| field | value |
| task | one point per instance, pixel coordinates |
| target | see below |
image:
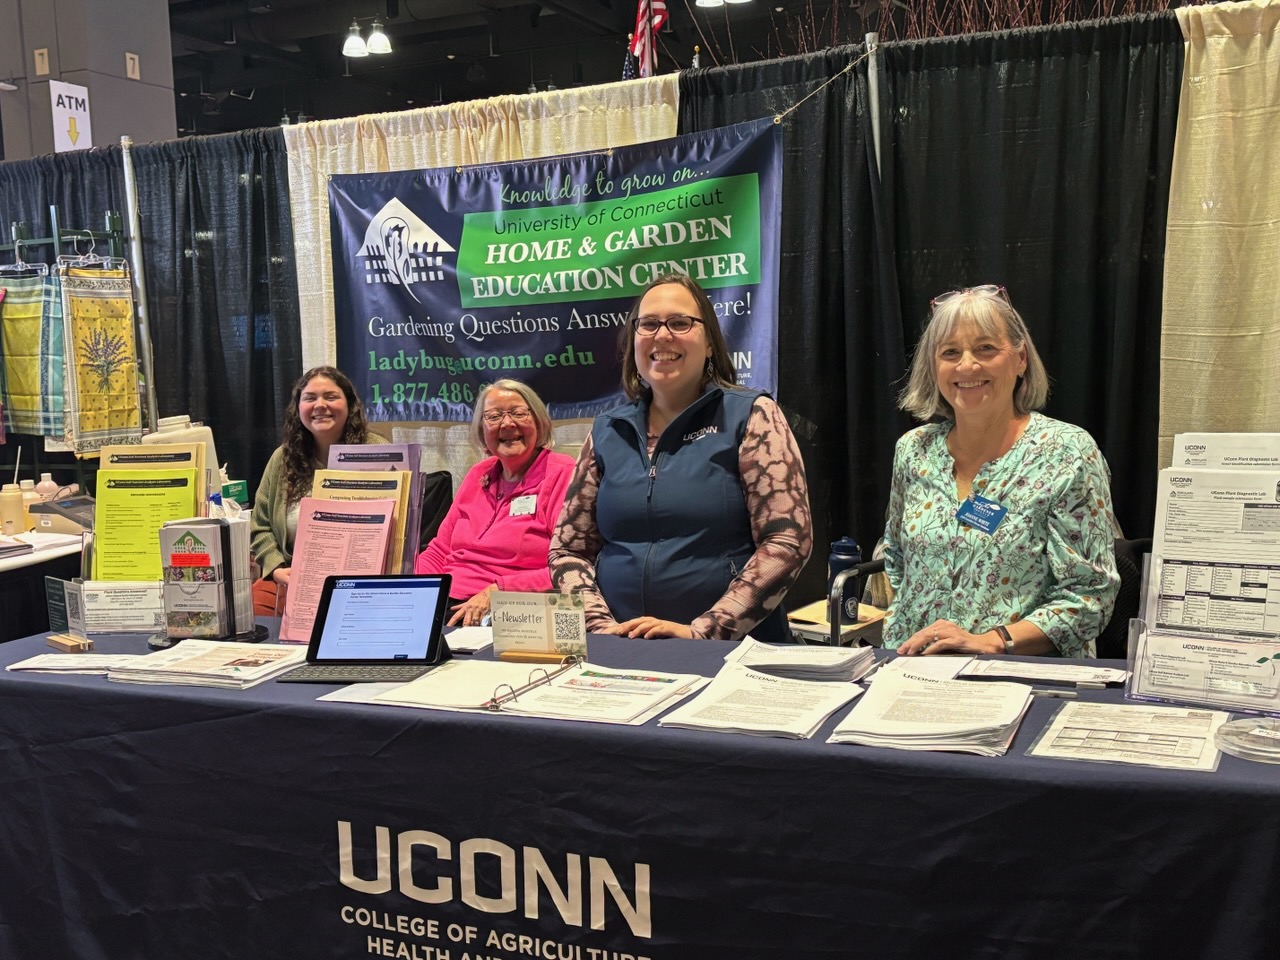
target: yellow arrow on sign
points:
(71, 129)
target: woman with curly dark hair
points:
(323, 410)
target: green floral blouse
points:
(1051, 560)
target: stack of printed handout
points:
(740, 700)
(801, 662)
(86, 663)
(211, 663)
(915, 712)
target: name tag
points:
(981, 513)
(524, 506)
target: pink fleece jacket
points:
(484, 540)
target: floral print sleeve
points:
(777, 497)
(1080, 548)
(776, 494)
(1050, 561)
(576, 541)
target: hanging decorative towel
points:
(102, 359)
(31, 338)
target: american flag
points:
(650, 17)
(628, 63)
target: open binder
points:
(505, 693)
(575, 690)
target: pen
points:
(1056, 694)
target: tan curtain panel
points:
(1220, 348)
(481, 131)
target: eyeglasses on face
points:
(985, 290)
(677, 323)
(517, 414)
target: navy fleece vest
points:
(676, 529)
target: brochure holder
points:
(1188, 667)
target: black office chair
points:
(437, 498)
(1113, 642)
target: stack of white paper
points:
(211, 663)
(912, 712)
(87, 663)
(801, 662)
(943, 667)
(1065, 672)
(469, 639)
(48, 541)
(739, 700)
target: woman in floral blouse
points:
(999, 537)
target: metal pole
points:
(139, 274)
(873, 91)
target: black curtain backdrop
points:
(217, 239)
(222, 292)
(839, 333)
(1040, 159)
(84, 184)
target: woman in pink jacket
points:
(496, 534)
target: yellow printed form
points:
(131, 508)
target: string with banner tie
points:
(778, 118)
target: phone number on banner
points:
(420, 392)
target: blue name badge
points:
(981, 513)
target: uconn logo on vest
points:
(699, 434)
(518, 877)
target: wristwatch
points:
(1003, 631)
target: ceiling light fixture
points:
(9, 84)
(709, 4)
(378, 42)
(354, 47)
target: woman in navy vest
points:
(688, 511)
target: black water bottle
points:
(845, 554)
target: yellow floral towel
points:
(31, 344)
(102, 359)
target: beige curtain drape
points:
(482, 131)
(1220, 347)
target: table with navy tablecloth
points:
(166, 821)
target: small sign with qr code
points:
(538, 626)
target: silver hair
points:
(991, 314)
(546, 437)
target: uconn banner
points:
(445, 280)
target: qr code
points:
(73, 607)
(568, 626)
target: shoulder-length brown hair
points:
(719, 369)
(300, 446)
(991, 314)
